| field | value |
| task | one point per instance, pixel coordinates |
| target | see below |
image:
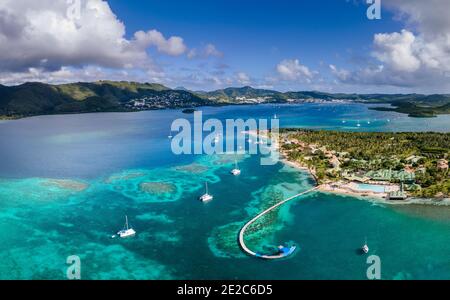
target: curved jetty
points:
(283, 251)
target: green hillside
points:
(33, 98)
(37, 98)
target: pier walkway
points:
(244, 228)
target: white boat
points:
(365, 248)
(127, 231)
(206, 197)
(236, 171)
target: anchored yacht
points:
(206, 197)
(236, 171)
(127, 231)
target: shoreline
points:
(217, 104)
(362, 195)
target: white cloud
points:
(242, 78)
(342, 74)
(42, 35)
(417, 57)
(209, 50)
(397, 50)
(291, 69)
(68, 75)
(172, 46)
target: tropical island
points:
(33, 98)
(394, 166)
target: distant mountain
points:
(34, 98)
(181, 88)
(38, 98)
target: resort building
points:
(334, 161)
(397, 195)
(139, 103)
(390, 175)
(357, 178)
(413, 159)
(442, 164)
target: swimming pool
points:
(371, 187)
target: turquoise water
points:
(66, 183)
(371, 187)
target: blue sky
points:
(255, 36)
(327, 45)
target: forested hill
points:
(103, 96)
(34, 98)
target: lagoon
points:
(67, 181)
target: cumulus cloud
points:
(397, 50)
(43, 35)
(172, 46)
(417, 57)
(291, 69)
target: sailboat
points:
(365, 248)
(206, 197)
(127, 231)
(236, 171)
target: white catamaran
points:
(127, 231)
(236, 171)
(206, 197)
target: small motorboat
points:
(365, 248)
(286, 250)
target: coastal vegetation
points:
(424, 110)
(419, 161)
(34, 98)
(31, 99)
